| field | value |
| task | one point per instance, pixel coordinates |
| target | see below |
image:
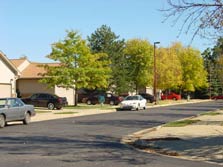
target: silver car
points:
(13, 109)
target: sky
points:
(29, 27)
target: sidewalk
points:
(202, 140)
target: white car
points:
(135, 102)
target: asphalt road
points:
(92, 141)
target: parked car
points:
(109, 99)
(13, 109)
(83, 93)
(170, 96)
(217, 97)
(50, 101)
(150, 98)
(135, 102)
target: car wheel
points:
(27, 119)
(112, 102)
(50, 106)
(2, 121)
(89, 102)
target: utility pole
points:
(75, 89)
(154, 73)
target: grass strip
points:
(42, 111)
(66, 113)
(97, 106)
(213, 113)
(181, 123)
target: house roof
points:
(18, 62)
(9, 63)
(32, 69)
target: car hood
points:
(129, 101)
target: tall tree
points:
(201, 17)
(212, 77)
(213, 59)
(194, 75)
(139, 56)
(78, 67)
(169, 71)
(103, 40)
(218, 53)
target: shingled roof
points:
(30, 69)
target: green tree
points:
(78, 67)
(103, 40)
(213, 59)
(218, 53)
(139, 57)
(212, 76)
(169, 71)
(194, 75)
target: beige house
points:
(28, 82)
(9, 75)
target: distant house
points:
(28, 82)
(8, 77)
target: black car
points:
(108, 99)
(150, 98)
(50, 101)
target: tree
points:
(213, 59)
(139, 57)
(202, 17)
(194, 75)
(218, 54)
(103, 40)
(169, 71)
(78, 67)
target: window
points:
(13, 103)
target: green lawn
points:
(97, 106)
(42, 111)
(66, 112)
(181, 123)
(213, 113)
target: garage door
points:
(5, 90)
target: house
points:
(28, 82)
(9, 75)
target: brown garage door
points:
(5, 90)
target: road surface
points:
(93, 141)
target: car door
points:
(21, 108)
(43, 99)
(34, 100)
(13, 110)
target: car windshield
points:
(131, 98)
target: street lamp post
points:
(154, 73)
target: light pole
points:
(154, 72)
